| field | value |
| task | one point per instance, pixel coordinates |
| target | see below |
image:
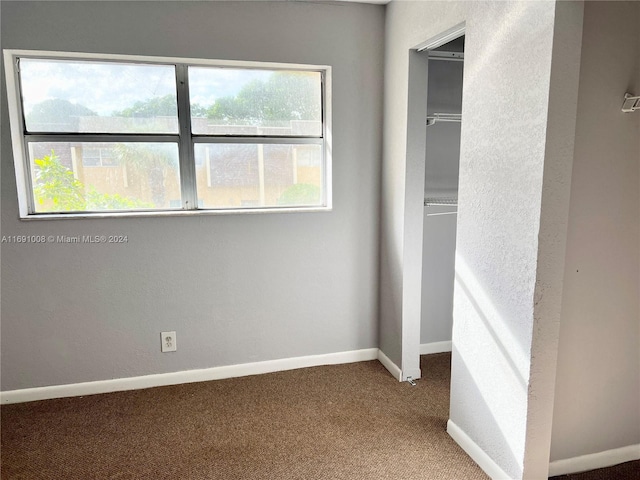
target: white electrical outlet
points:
(168, 340)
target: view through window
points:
(105, 135)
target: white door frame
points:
(414, 199)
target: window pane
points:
(75, 176)
(258, 175)
(227, 101)
(98, 97)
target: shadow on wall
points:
(489, 375)
(493, 323)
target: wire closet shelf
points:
(444, 117)
(441, 202)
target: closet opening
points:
(442, 160)
(431, 188)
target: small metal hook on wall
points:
(631, 103)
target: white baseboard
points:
(594, 460)
(187, 376)
(435, 347)
(389, 365)
(478, 455)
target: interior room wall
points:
(508, 63)
(438, 268)
(598, 378)
(235, 288)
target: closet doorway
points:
(442, 160)
(431, 174)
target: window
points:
(99, 157)
(101, 135)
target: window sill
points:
(172, 213)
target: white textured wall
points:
(597, 405)
(236, 288)
(501, 168)
(507, 85)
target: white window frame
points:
(185, 138)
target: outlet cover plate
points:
(168, 340)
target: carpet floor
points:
(352, 422)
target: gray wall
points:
(443, 138)
(503, 354)
(237, 288)
(598, 380)
(438, 269)
(441, 180)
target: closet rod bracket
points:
(631, 103)
(444, 117)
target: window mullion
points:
(102, 138)
(187, 163)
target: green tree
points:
(57, 190)
(267, 102)
(301, 194)
(56, 183)
(57, 115)
(151, 161)
(158, 107)
(153, 107)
